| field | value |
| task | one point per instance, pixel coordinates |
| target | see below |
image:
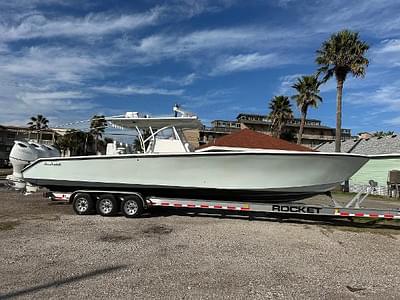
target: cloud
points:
(191, 8)
(47, 80)
(136, 90)
(4, 48)
(205, 44)
(386, 97)
(211, 98)
(387, 53)
(52, 64)
(182, 81)
(245, 62)
(328, 17)
(19, 102)
(59, 95)
(376, 76)
(218, 103)
(30, 23)
(38, 25)
(284, 3)
(394, 121)
(286, 82)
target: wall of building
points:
(376, 169)
(192, 136)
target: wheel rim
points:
(82, 205)
(106, 206)
(131, 207)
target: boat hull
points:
(242, 176)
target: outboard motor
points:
(42, 151)
(22, 154)
(54, 152)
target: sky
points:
(69, 60)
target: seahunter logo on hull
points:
(47, 163)
(296, 209)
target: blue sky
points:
(69, 60)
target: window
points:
(47, 136)
(11, 135)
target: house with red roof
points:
(247, 138)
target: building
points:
(219, 128)
(385, 156)
(8, 134)
(314, 133)
(191, 136)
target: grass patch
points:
(390, 233)
(157, 229)
(370, 197)
(113, 238)
(388, 228)
(9, 225)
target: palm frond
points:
(341, 54)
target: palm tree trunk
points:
(274, 129)
(338, 137)
(85, 146)
(301, 129)
(279, 132)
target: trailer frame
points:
(351, 209)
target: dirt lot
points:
(48, 252)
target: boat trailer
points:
(133, 205)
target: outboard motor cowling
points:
(22, 154)
(42, 151)
(53, 151)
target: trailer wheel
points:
(83, 204)
(107, 205)
(132, 206)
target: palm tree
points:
(307, 88)
(341, 54)
(138, 145)
(280, 113)
(74, 141)
(382, 133)
(98, 125)
(38, 123)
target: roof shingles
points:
(371, 146)
(247, 138)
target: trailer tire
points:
(107, 205)
(83, 204)
(132, 206)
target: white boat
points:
(167, 168)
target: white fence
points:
(379, 190)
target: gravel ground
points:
(48, 252)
